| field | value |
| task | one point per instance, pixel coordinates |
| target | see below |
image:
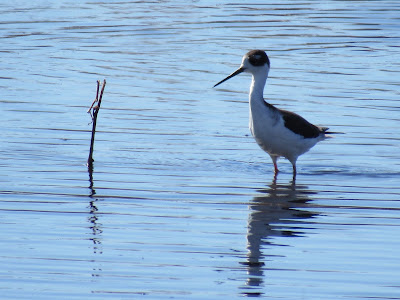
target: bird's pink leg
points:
(274, 160)
(276, 168)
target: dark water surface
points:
(182, 202)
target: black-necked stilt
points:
(278, 132)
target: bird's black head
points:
(258, 58)
(254, 61)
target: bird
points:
(278, 132)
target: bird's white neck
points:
(257, 87)
(257, 112)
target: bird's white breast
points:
(268, 128)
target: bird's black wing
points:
(300, 126)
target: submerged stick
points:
(94, 110)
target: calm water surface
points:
(182, 203)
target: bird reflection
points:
(271, 213)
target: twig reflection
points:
(93, 219)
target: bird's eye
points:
(256, 60)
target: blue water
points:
(181, 203)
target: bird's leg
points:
(276, 168)
(294, 172)
(274, 160)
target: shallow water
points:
(182, 203)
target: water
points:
(182, 203)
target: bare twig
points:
(95, 100)
(94, 110)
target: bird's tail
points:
(326, 131)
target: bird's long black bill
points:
(238, 71)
